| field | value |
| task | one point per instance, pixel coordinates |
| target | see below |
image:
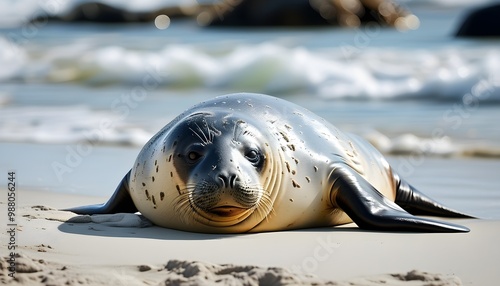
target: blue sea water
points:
(421, 92)
(395, 87)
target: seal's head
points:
(214, 168)
(222, 161)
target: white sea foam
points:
(449, 73)
(80, 124)
(12, 59)
(410, 144)
(68, 124)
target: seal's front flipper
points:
(417, 203)
(369, 209)
(120, 202)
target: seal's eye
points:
(193, 153)
(253, 156)
(193, 156)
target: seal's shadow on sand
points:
(155, 232)
(152, 232)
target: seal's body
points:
(251, 163)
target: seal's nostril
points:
(232, 181)
(223, 180)
(227, 182)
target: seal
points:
(255, 163)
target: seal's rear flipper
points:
(120, 202)
(417, 203)
(369, 209)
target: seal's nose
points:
(227, 180)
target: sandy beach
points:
(78, 102)
(53, 252)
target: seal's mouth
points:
(227, 211)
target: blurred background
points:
(84, 84)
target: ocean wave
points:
(449, 73)
(68, 125)
(413, 145)
(84, 126)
